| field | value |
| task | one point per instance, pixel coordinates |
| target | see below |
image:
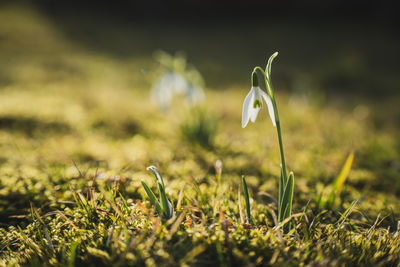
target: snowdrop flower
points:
(254, 101)
(194, 94)
(251, 106)
(169, 84)
(177, 78)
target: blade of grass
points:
(341, 179)
(240, 207)
(175, 225)
(45, 230)
(125, 204)
(37, 225)
(346, 214)
(72, 254)
(83, 202)
(66, 219)
(247, 199)
(180, 198)
(28, 242)
(344, 173)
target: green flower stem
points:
(284, 179)
(270, 92)
(279, 132)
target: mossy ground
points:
(77, 131)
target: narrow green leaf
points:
(157, 174)
(153, 198)
(281, 192)
(247, 199)
(165, 205)
(288, 197)
(171, 209)
(72, 254)
(125, 204)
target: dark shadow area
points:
(31, 126)
(335, 46)
(117, 130)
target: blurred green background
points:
(339, 51)
(75, 81)
(338, 47)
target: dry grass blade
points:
(180, 198)
(288, 219)
(176, 224)
(192, 254)
(37, 214)
(66, 219)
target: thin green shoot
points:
(340, 180)
(247, 200)
(163, 205)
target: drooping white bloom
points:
(253, 103)
(164, 89)
(172, 83)
(194, 94)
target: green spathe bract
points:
(286, 183)
(163, 205)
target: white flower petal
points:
(162, 91)
(270, 106)
(254, 113)
(255, 107)
(247, 105)
(194, 94)
(178, 83)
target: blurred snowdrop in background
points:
(166, 86)
(176, 78)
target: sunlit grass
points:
(76, 138)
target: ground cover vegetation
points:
(78, 131)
